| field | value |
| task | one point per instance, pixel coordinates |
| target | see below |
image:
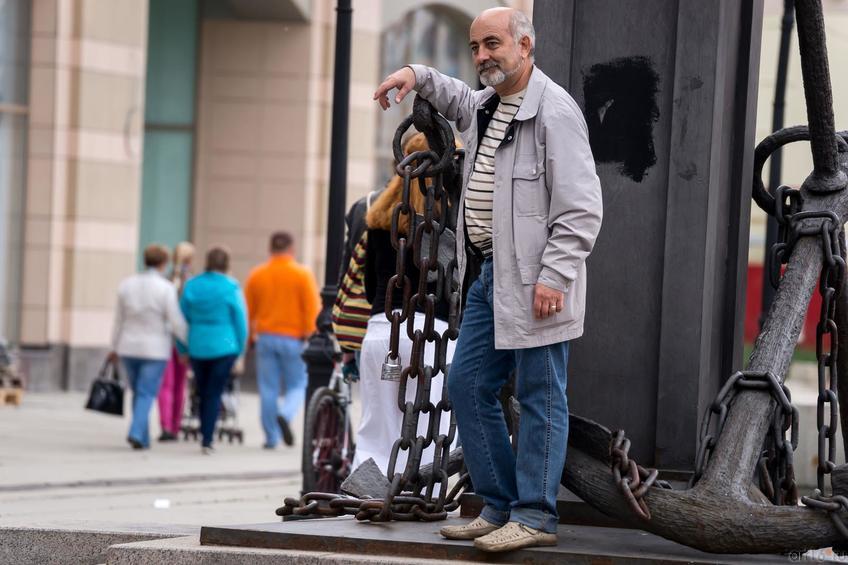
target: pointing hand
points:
(403, 80)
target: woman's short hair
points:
(183, 252)
(155, 255)
(218, 259)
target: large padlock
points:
(391, 368)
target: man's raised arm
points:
(448, 95)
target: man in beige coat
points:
(531, 210)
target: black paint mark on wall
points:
(621, 109)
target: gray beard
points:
(495, 75)
(492, 77)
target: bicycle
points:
(328, 445)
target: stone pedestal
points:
(669, 95)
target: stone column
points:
(84, 180)
(669, 96)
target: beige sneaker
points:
(473, 529)
(514, 536)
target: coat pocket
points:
(530, 236)
(527, 293)
(529, 194)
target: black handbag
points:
(107, 393)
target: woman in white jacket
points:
(147, 316)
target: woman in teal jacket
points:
(213, 306)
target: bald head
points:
(513, 21)
(494, 15)
(502, 42)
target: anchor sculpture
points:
(724, 511)
(742, 497)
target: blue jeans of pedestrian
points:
(145, 377)
(210, 378)
(279, 361)
(518, 487)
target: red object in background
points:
(754, 300)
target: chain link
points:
(409, 496)
(776, 468)
(832, 237)
(424, 225)
(632, 479)
(827, 226)
(788, 202)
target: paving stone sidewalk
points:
(61, 464)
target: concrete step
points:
(80, 544)
(387, 542)
(188, 551)
(344, 540)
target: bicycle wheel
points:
(326, 462)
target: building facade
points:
(127, 122)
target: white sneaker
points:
(207, 450)
(514, 535)
(473, 529)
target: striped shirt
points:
(481, 184)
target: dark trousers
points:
(210, 377)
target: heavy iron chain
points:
(425, 229)
(776, 470)
(795, 224)
(409, 497)
(776, 464)
(632, 479)
(827, 344)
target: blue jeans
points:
(279, 357)
(210, 378)
(518, 487)
(145, 376)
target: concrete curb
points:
(83, 545)
(188, 551)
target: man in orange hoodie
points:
(283, 303)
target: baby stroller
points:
(227, 425)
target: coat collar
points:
(533, 97)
